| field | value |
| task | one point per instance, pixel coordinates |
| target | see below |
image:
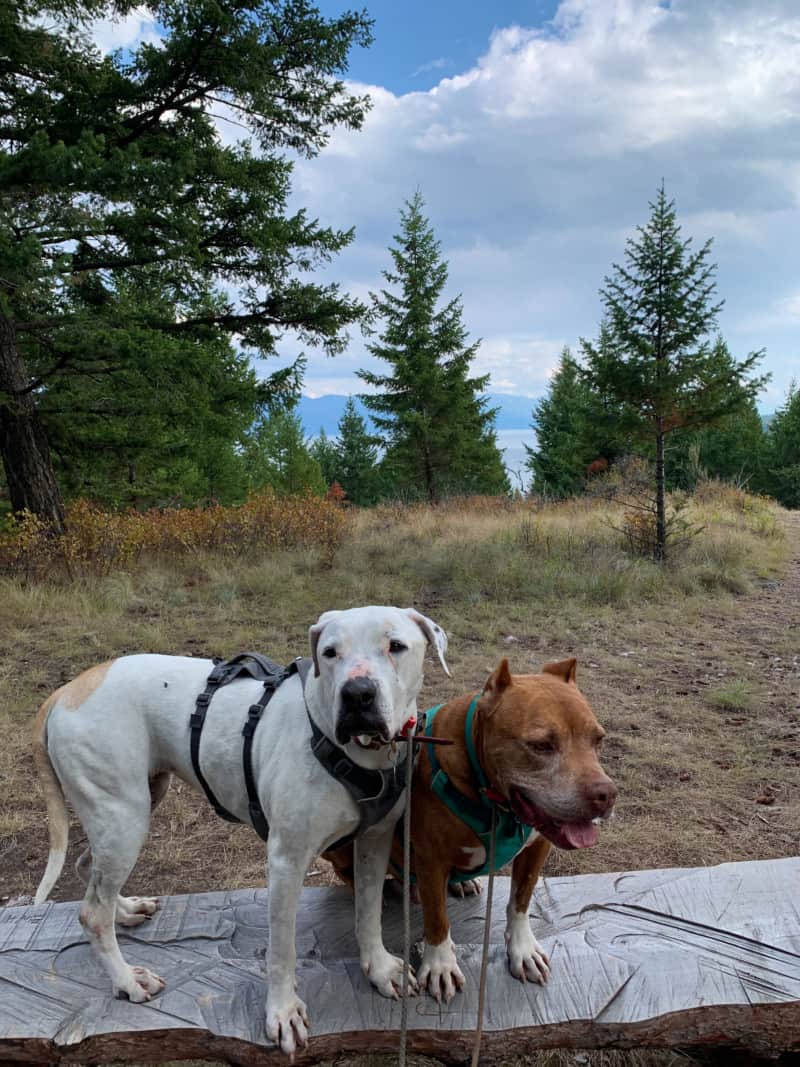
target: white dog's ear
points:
(434, 634)
(314, 634)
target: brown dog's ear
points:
(565, 669)
(496, 684)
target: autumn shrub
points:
(97, 541)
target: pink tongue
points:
(580, 834)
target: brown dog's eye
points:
(542, 747)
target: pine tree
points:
(437, 428)
(114, 186)
(661, 368)
(782, 452)
(358, 470)
(571, 433)
(323, 450)
(276, 455)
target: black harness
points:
(375, 792)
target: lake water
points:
(512, 443)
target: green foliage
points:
(731, 449)
(122, 207)
(437, 429)
(358, 470)
(275, 455)
(782, 452)
(574, 429)
(659, 365)
(323, 450)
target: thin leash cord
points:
(476, 1048)
(406, 900)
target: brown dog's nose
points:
(601, 794)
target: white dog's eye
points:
(397, 646)
(329, 652)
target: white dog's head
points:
(368, 662)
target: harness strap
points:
(196, 721)
(375, 792)
(483, 815)
(272, 675)
(473, 812)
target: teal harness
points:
(511, 833)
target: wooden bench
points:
(704, 956)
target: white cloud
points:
(791, 305)
(519, 363)
(538, 163)
(434, 64)
(132, 29)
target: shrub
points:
(97, 541)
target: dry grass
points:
(692, 668)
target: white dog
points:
(109, 740)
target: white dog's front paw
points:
(139, 985)
(287, 1024)
(385, 971)
(527, 959)
(439, 972)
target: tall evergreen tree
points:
(662, 368)
(358, 470)
(782, 452)
(573, 430)
(436, 426)
(114, 185)
(323, 450)
(276, 455)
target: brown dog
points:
(535, 755)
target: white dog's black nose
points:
(358, 694)
(359, 710)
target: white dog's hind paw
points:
(132, 911)
(385, 971)
(141, 986)
(527, 960)
(287, 1025)
(439, 972)
(470, 888)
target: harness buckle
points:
(196, 721)
(253, 719)
(217, 674)
(203, 700)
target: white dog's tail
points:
(57, 815)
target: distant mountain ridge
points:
(324, 412)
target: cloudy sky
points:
(538, 131)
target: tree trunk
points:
(430, 482)
(661, 518)
(23, 442)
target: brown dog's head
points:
(539, 744)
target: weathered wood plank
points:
(648, 958)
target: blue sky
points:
(418, 43)
(538, 132)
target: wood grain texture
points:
(649, 958)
